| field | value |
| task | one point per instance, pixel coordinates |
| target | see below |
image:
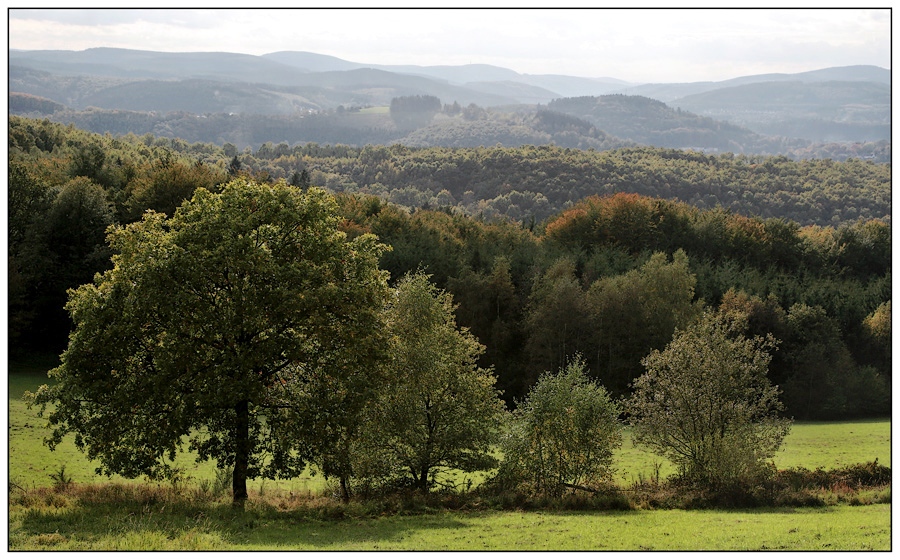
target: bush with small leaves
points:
(562, 435)
(705, 403)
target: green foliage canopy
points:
(205, 324)
(638, 311)
(438, 409)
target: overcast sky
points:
(638, 45)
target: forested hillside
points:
(654, 123)
(249, 117)
(532, 183)
(453, 126)
(605, 254)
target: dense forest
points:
(536, 182)
(548, 251)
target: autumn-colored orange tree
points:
(626, 220)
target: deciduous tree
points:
(438, 410)
(557, 319)
(206, 326)
(636, 312)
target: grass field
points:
(810, 445)
(219, 528)
(45, 520)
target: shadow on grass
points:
(113, 522)
(121, 517)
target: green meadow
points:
(382, 110)
(168, 526)
(115, 514)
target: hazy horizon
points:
(641, 45)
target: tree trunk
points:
(423, 481)
(241, 454)
(345, 492)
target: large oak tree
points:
(207, 326)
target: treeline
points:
(414, 111)
(611, 277)
(609, 281)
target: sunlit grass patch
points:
(836, 444)
(809, 444)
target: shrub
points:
(562, 435)
(705, 403)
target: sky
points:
(637, 45)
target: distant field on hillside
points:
(375, 110)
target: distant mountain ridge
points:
(290, 68)
(671, 91)
(835, 111)
(558, 86)
(135, 64)
(843, 103)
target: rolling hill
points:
(651, 122)
(673, 91)
(839, 109)
(133, 64)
